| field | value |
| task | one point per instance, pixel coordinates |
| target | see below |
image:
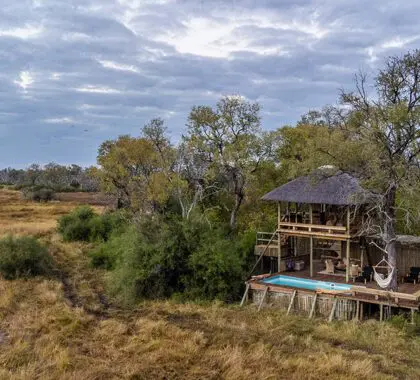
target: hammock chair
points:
(380, 279)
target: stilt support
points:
(291, 302)
(357, 315)
(333, 310)
(263, 298)
(311, 314)
(245, 297)
(381, 312)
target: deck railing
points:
(263, 238)
(315, 230)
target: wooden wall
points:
(407, 256)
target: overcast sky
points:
(76, 72)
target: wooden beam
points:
(311, 314)
(320, 235)
(356, 317)
(312, 226)
(333, 310)
(291, 302)
(245, 297)
(263, 298)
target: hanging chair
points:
(380, 279)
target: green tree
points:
(136, 170)
(389, 122)
(229, 138)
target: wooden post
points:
(381, 312)
(245, 297)
(357, 310)
(333, 310)
(311, 314)
(291, 302)
(311, 246)
(412, 316)
(278, 237)
(263, 298)
(348, 246)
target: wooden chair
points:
(329, 266)
(354, 271)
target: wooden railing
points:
(315, 230)
(264, 237)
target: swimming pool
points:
(305, 283)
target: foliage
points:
(23, 257)
(53, 176)
(136, 170)
(38, 194)
(230, 138)
(83, 224)
(217, 267)
(159, 258)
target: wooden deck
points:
(402, 287)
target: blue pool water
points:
(305, 283)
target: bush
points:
(38, 194)
(164, 257)
(83, 224)
(218, 266)
(23, 257)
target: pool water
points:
(305, 283)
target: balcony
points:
(318, 231)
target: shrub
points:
(162, 257)
(23, 257)
(38, 194)
(83, 224)
(218, 266)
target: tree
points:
(137, 170)
(389, 122)
(230, 139)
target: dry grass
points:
(63, 328)
(41, 336)
(21, 217)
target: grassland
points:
(21, 217)
(65, 327)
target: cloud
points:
(109, 66)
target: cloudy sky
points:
(76, 72)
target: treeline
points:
(58, 178)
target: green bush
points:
(217, 268)
(83, 224)
(23, 257)
(38, 194)
(161, 257)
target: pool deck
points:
(402, 287)
(407, 295)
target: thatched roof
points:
(320, 187)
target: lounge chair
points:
(413, 276)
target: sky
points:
(74, 73)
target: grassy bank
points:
(66, 327)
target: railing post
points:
(348, 246)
